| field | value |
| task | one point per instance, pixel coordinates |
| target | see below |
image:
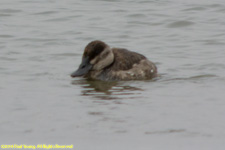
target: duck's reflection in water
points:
(107, 90)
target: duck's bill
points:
(83, 69)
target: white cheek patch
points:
(100, 57)
(105, 59)
(93, 61)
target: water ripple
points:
(107, 90)
(46, 13)
(180, 24)
(6, 36)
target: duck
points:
(101, 62)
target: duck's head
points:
(97, 55)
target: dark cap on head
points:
(94, 48)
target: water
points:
(41, 43)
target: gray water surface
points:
(42, 41)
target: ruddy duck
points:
(101, 62)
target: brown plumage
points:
(104, 63)
(124, 59)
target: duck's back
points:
(130, 65)
(125, 59)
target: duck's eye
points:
(82, 67)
